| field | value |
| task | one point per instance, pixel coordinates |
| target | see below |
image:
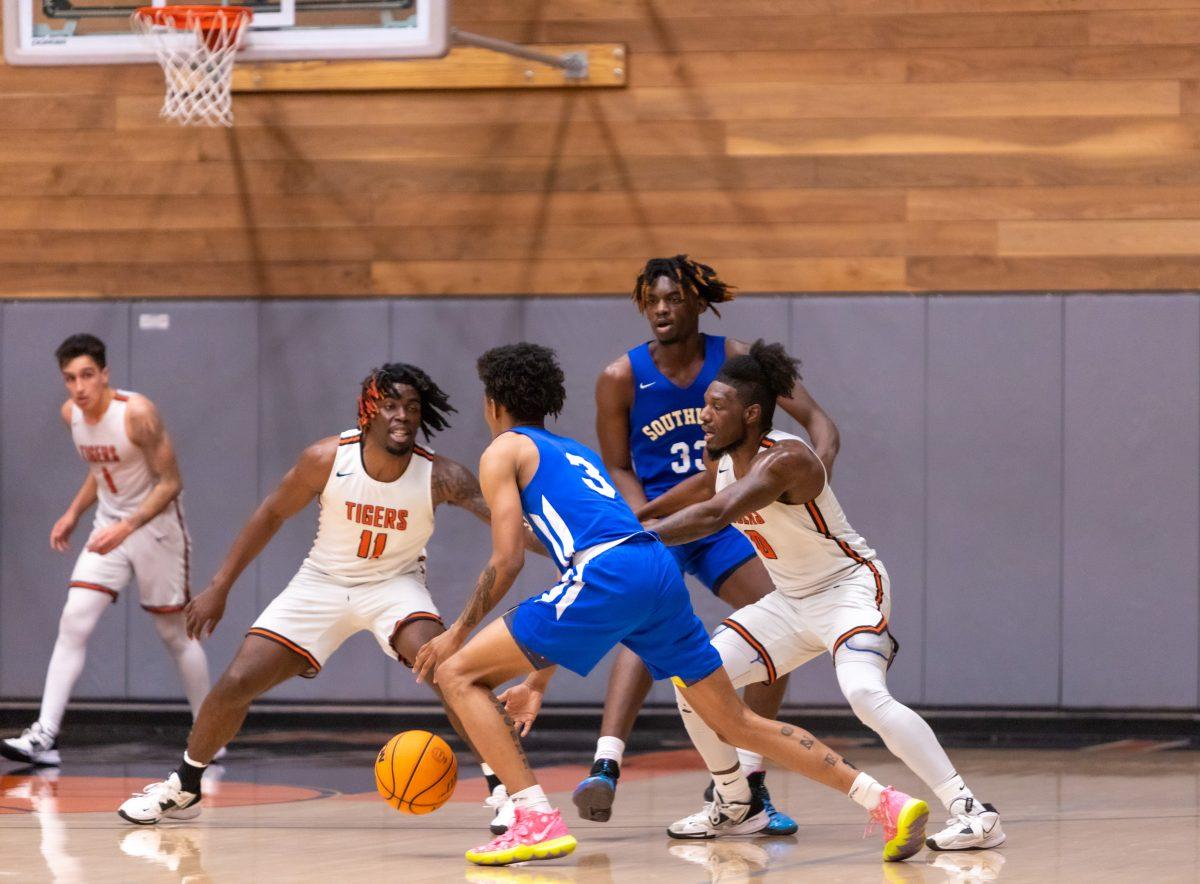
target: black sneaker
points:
(595, 795)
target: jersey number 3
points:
(593, 479)
(364, 545)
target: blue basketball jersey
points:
(571, 502)
(665, 439)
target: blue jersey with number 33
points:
(665, 439)
(571, 503)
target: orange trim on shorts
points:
(878, 629)
(287, 643)
(167, 609)
(411, 618)
(428, 455)
(758, 646)
(350, 440)
(96, 586)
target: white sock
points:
(732, 786)
(752, 762)
(612, 748)
(866, 791)
(189, 760)
(485, 770)
(532, 798)
(188, 655)
(952, 790)
(79, 617)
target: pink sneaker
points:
(903, 819)
(532, 835)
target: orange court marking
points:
(67, 794)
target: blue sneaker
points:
(595, 795)
(781, 823)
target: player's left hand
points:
(523, 704)
(108, 538)
(434, 652)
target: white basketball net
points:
(196, 47)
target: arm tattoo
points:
(481, 602)
(455, 484)
(830, 759)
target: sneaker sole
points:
(751, 831)
(45, 760)
(910, 832)
(166, 817)
(594, 798)
(986, 845)
(552, 849)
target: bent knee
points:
(867, 701)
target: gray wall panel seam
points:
(1062, 493)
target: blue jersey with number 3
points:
(571, 502)
(665, 439)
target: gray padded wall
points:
(1009, 457)
(1130, 547)
(993, 471)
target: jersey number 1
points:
(364, 545)
(108, 480)
(760, 543)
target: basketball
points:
(416, 772)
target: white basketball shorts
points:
(849, 617)
(156, 555)
(315, 613)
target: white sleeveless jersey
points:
(369, 530)
(122, 473)
(806, 547)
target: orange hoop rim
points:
(186, 17)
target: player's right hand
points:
(60, 534)
(203, 613)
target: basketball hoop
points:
(196, 46)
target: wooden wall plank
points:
(802, 145)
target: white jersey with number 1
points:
(122, 473)
(370, 530)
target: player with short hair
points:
(833, 594)
(378, 490)
(619, 586)
(647, 408)
(138, 533)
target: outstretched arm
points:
(456, 485)
(694, 489)
(498, 473)
(789, 469)
(146, 431)
(304, 481)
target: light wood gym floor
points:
(1118, 812)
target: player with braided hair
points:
(832, 594)
(648, 404)
(378, 490)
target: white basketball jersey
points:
(122, 473)
(369, 530)
(805, 547)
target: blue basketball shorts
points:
(712, 559)
(632, 594)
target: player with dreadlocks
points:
(378, 489)
(648, 406)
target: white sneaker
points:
(36, 745)
(505, 810)
(972, 826)
(161, 800)
(719, 819)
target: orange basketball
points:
(416, 772)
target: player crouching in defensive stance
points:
(378, 490)
(619, 586)
(832, 593)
